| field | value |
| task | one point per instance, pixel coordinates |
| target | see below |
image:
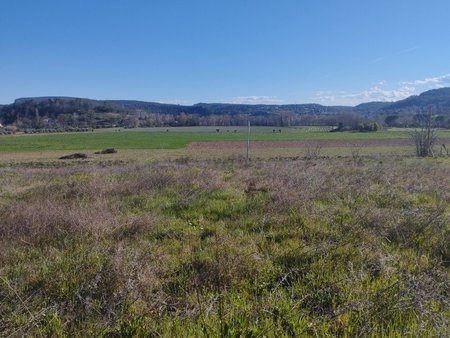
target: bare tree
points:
(356, 154)
(313, 152)
(444, 150)
(425, 137)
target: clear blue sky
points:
(285, 51)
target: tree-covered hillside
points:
(64, 112)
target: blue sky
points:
(241, 51)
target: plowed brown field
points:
(304, 144)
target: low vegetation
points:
(313, 247)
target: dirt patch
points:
(301, 144)
(75, 156)
(107, 151)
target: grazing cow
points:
(217, 130)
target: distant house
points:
(48, 122)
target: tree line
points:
(64, 113)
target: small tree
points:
(425, 137)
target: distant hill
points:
(438, 99)
(50, 112)
(371, 107)
(199, 108)
(38, 112)
(408, 112)
(263, 109)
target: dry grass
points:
(215, 247)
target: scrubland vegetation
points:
(312, 247)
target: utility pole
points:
(248, 141)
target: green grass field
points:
(176, 138)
